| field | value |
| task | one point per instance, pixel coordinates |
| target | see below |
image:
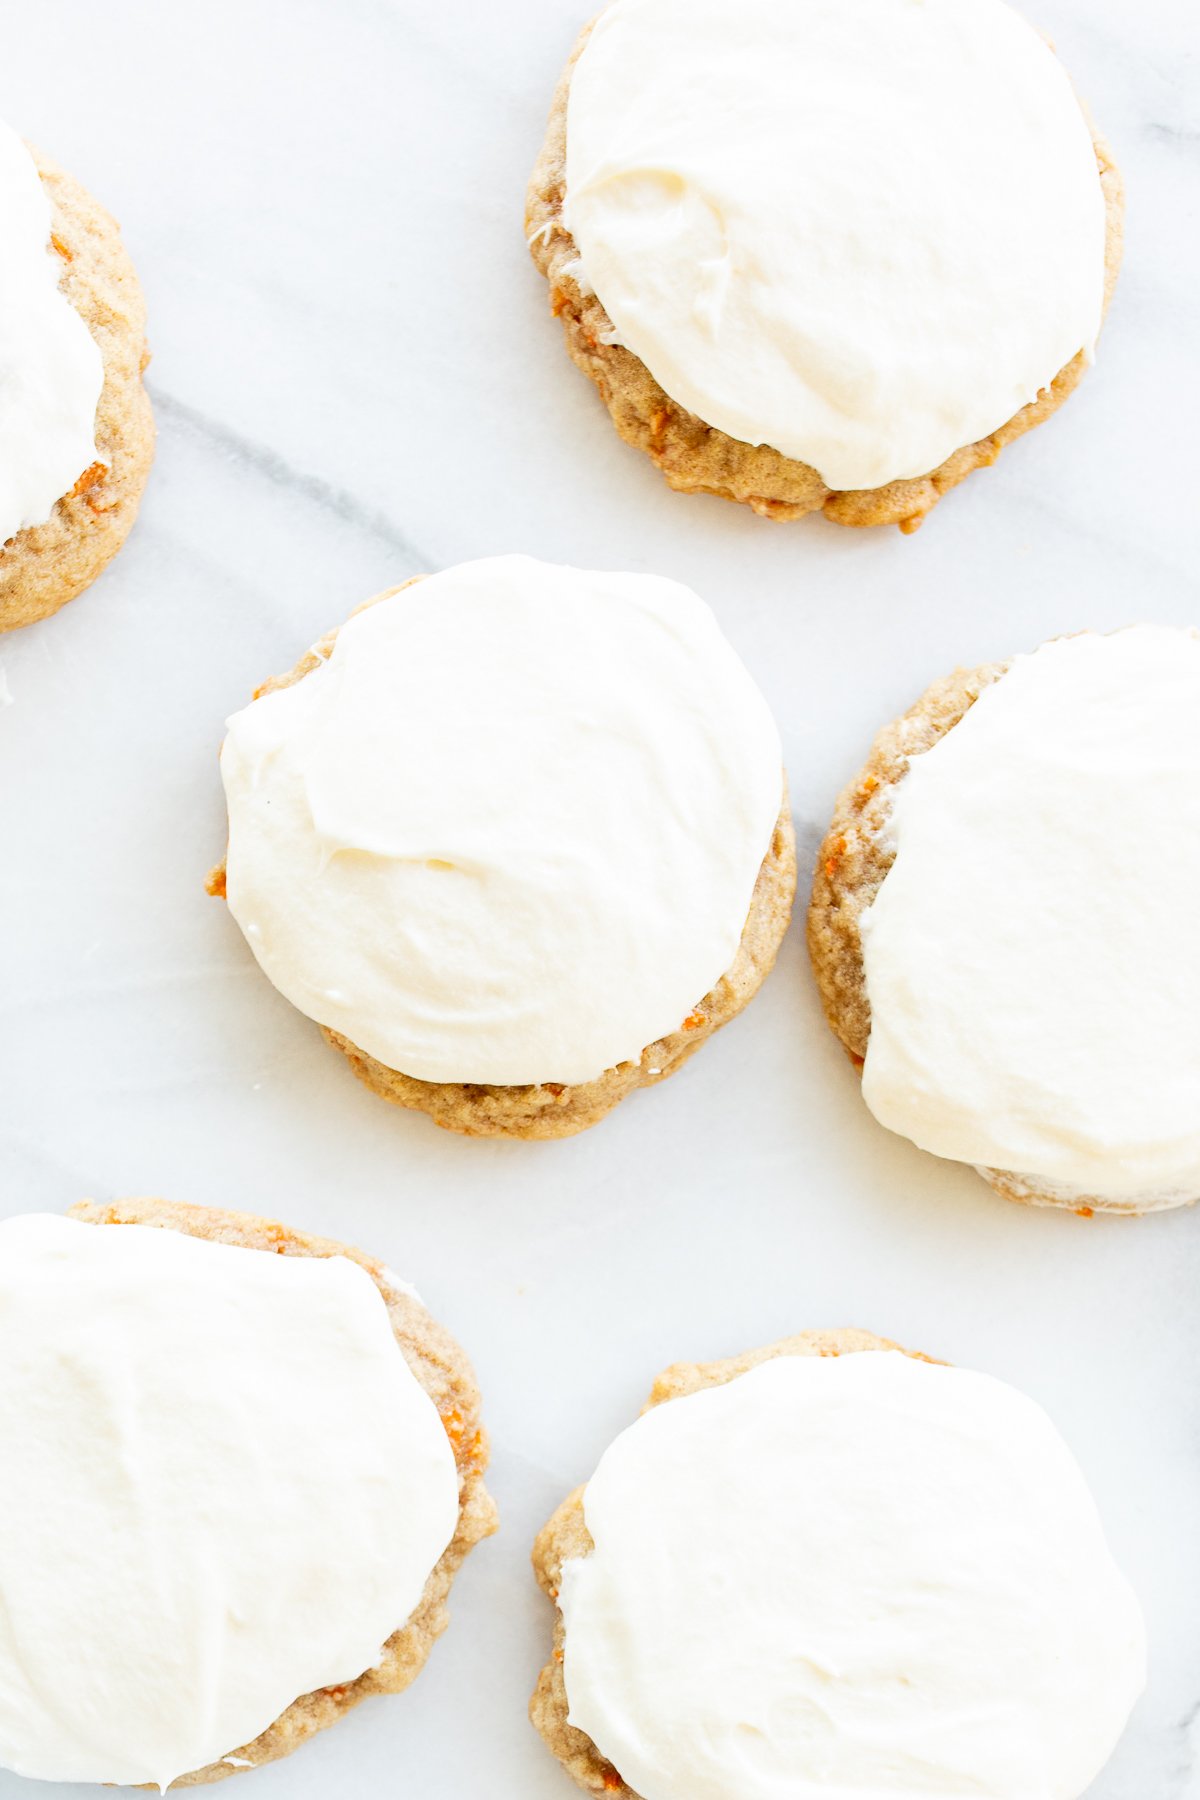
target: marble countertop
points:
(356, 377)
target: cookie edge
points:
(45, 566)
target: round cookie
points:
(442, 1371)
(861, 1689)
(1034, 1007)
(695, 457)
(44, 566)
(560, 1109)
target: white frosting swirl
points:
(860, 1575)
(51, 371)
(865, 232)
(1030, 958)
(222, 1488)
(510, 831)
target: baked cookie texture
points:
(442, 1369)
(696, 458)
(853, 860)
(856, 852)
(44, 566)
(554, 1109)
(566, 1537)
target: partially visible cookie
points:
(825, 1565)
(565, 1537)
(125, 1404)
(639, 746)
(669, 203)
(47, 564)
(1016, 982)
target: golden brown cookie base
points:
(1033, 1190)
(44, 566)
(557, 1109)
(566, 1537)
(851, 864)
(696, 458)
(856, 853)
(442, 1369)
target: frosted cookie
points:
(76, 433)
(832, 255)
(1001, 922)
(829, 1567)
(241, 1469)
(516, 837)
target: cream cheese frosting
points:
(860, 1575)
(223, 1488)
(1030, 958)
(51, 371)
(864, 232)
(510, 831)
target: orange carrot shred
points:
(91, 475)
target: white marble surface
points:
(356, 377)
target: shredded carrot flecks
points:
(553, 1087)
(836, 852)
(867, 786)
(612, 1779)
(453, 1424)
(693, 1021)
(277, 1237)
(91, 475)
(64, 250)
(1085, 1212)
